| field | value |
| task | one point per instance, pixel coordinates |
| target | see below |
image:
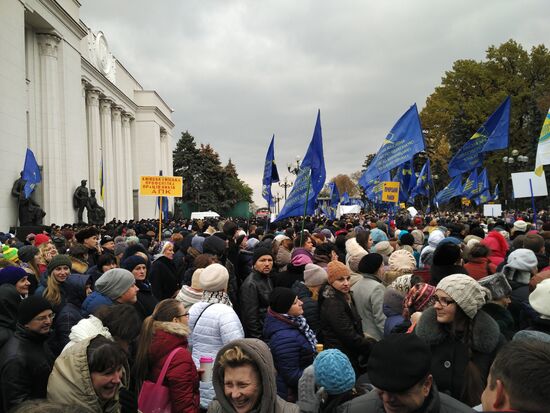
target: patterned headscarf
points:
(418, 298)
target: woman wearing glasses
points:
(162, 332)
(464, 340)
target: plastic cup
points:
(206, 364)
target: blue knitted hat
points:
(11, 275)
(334, 372)
(377, 235)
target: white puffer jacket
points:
(218, 325)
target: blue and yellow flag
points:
(403, 175)
(345, 199)
(492, 135)
(423, 183)
(470, 188)
(543, 148)
(310, 179)
(376, 187)
(404, 140)
(31, 173)
(483, 189)
(334, 194)
(450, 191)
(270, 173)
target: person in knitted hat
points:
(89, 237)
(146, 301)
(341, 324)
(497, 304)
(368, 294)
(399, 368)
(25, 360)
(29, 256)
(447, 259)
(10, 254)
(189, 295)
(212, 320)
(308, 292)
(116, 286)
(400, 262)
(291, 340)
(255, 291)
(300, 257)
(383, 248)
(40, 239)
(334, 373)
(457, 314)
(59, 268)
(17, 277)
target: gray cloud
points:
(236, 72)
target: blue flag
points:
(374, 191)
(310, 179)
(345, 199)
(492, 135)
(483, 188)
(404, 140)
(450, 191)
(270, 173)
(164, 206)
(334, 194)
(423, 183)
(403, 175)
(31, 173)
(469, 190)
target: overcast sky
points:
(236, 72)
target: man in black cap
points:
(26, 361)
(107, 245)
(399, 369)
(89, 238)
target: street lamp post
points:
(294, 168)
(516, 162)
(277, 198)
(285, 184)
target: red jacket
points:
(480, 267)
(181, 378)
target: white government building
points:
(67, 98)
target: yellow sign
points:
(160, 185)
(403, 205)
(390, 192)
(466, 202)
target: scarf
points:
(214, 297)
(301, 324)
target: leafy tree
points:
(345, 184)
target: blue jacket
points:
(291, 351)
(93, 302)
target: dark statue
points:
(80, 200)
(96, 213)
(30, 212)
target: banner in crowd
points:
(310, 179)
(271, 174)
(402, 143)
(491, 136)
(390, 192)
(450, 191)
(543, 148)
(31, 173)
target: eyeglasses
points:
(443, 301)
(43, 318)
(183, 315)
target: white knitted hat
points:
(214, 278)
(467, 292)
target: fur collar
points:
(78, 266)
(486, 333)
(177, 329)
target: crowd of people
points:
(370, 313)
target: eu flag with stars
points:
(31, 173)
(404, 140)
(491, 136)
(270, 173)
(310, 179)
(450, 191)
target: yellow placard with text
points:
(466, 202)
(160, 185)
(390, 192)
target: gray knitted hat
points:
(497, 285)
(467, 292)
(115, 282)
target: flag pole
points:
(160, 218)
(305, 208)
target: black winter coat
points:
(146, 301)
(451, 355)
(310, 306)
(342, 329)
(287, 278)
(25, 365)
(254, 301)
(9, 303)
(163, 278)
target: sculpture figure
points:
(96, 213)
(80, 200)
(29, 211)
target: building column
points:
(118, 155)
(108, 159)
(163, 152)
(52, 145)
(94, 140)
(128, 185)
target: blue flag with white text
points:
(450, 191)
(423, 182)
(374, 191)
(404, 140)
(491, 136)
(469, 189)
(31, 173)
(311, 175)
(270, 173)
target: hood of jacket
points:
(168, 335)
(485, 334)
(273, 324)
(9, 303)
(393, 302)
(70, 381)
(93, 302)
(258, 351)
